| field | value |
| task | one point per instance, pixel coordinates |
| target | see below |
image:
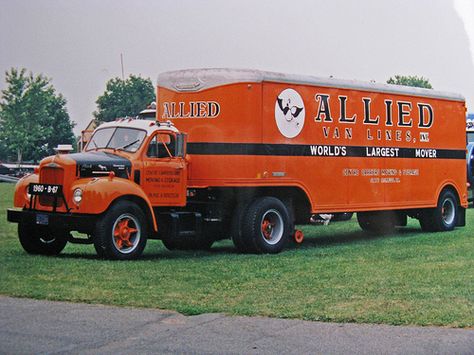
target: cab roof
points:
(201, 79)
(147, 125)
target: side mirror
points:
(181, 140)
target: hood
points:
(100, 164)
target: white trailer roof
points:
(201, 79)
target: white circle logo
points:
(289, 113)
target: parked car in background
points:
(470, 128)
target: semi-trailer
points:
(247, 155)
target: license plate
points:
(45, 189)
(42, 219)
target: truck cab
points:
(112, 191)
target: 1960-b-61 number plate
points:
(45, 189)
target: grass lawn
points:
(338, 274)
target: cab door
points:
(165, 170)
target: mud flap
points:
(461, 222)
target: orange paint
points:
(251, 154)
(358, 149)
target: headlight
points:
(77, 196)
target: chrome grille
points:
(50, 175)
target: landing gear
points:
(298, 236)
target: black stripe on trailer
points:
(316, 150)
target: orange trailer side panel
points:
(238, 120)
(349, 149)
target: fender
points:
(100, 193)
(20, 198)
(451, 184)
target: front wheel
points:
(266, 226)
(40, 240)
(122, 232)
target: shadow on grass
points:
(358, 236)
(151, 253)
(159, 255)
(225, 248)
(76, 255)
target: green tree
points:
(33, 117)
(124, 98)
(410, 80)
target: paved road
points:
(30, 326)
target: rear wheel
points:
(442, 218)
(40, 240)
(122, 233)
(266, 226)
(236, 228)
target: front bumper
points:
(83, 223)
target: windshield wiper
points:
(127, 145)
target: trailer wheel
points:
(343, 216)
(40, 240)
(377, 222)
(442, 218)
(266, 226)
(122, 233)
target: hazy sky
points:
(78, 43)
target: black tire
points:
(426, 220)
(444, 217)
(40, 240)
(236, 228)
(382, 222)
(363, 218)
(266, 226)
(122, 232)
(343, 216)
(98, 250)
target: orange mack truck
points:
(247, 155)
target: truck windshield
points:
(120, 138)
